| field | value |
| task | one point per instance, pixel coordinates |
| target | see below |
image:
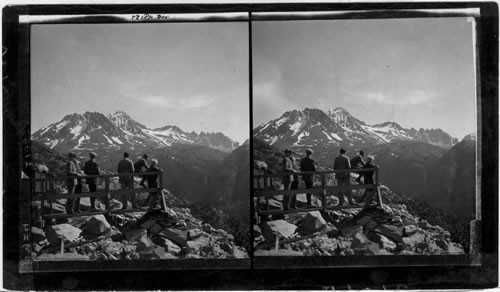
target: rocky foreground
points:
(155, 234)
(387, 230)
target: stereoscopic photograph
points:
(139, 137)
(364, 136)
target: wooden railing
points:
(43, 189)
(263, 183)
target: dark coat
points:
(357, 161)
(91, 168)
(126, 166)
(141, 165)
(307, 164)
(342, 162)
(368, 175)
(152, 179)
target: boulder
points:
(143, 243)
(167, 244)
(116, 234)
(423, 224)
(148, 224)
(382, 241)
(363, 220)
(410, 230)
(350, 231)
(156, 228)
(175, 235)
(358, 239)
(393, 232)
(454, 249)
(37, 234)
(195, 246)
(332, 231)
(194, 233)
(408, 221)
(135, 235)
(280, 228)
(312, 222)
(411, 241)
(226, 246)
(443, 244)
(54, 233)
(239, 253)
(370, 225)
(207, 228)
(97, 225)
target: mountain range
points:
(312, 127)
(93, 131)
(425, 164)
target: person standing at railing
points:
(71, 182)
(358, 162)
(308, 164)
(287, 167)
(127, 182)
(152, 180)
(141, 165)
(92, 168)
(295, 182)
(368, 179)
(342, 162)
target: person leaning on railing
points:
(308, 164)
(368, 179)
(71, 182)
(92, 168)
(287, 167)
(126, 181)
(343, 177)
(152, 180)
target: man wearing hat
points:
(92, 168)
(126, 182)
(71, 182)
(308, 164)
(343, 177)
(358, 162)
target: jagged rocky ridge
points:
(93, 131)
(155, 234)
(390, 230)
(311, 127)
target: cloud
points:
(413, 97)
(179, 103)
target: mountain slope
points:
(313, 128)
(93, 131)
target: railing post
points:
(323, 190)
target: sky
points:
(192, 75)
(416, 72)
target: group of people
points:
(74, 181)
(343, 167)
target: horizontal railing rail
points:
(44, 190)
(264, 184)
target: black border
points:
(14, 116)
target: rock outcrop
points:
(156, 234)
(390, 230)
